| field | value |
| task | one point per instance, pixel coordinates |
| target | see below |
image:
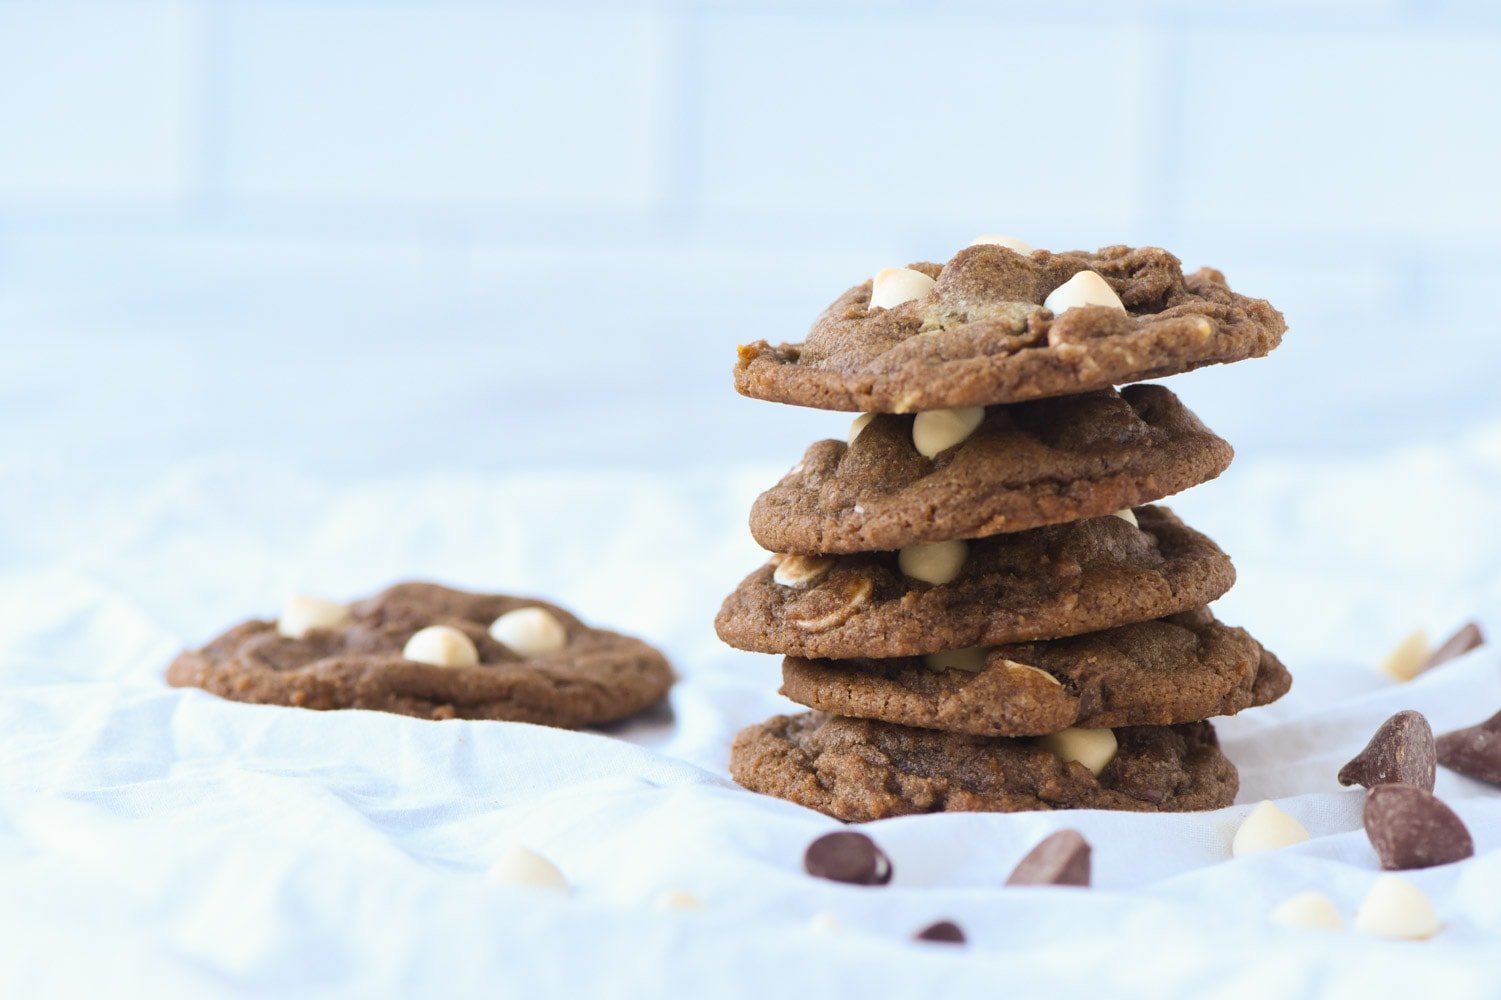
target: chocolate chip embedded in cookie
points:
(433, 652)
(1182, 668)
(998, 326)
(1041, 584)
(1025, 466)
(858, 770)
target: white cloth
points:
(167, 843)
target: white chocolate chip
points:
(1128, 515)
(1395, 908)
(1013, 665)
(301, 614)
(996, 239)
(520, 866)
(936, 563)
(971, 660)
(1266, 828)
(529, 632)
(679, 899)
(934, 431)
(441, 646)
(830, 606)
(895, 285)
(825, 923)
(1094, 748)
(859, 424)
(1406, 661)
(801, 571)
(1312, 910)
(1084, 289)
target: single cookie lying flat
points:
(1179, 669)
(1025, 466)
(1040, 584)
(858, 770)
(982, 336)
(596, 676)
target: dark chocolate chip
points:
(1401, 753)
(847, 856)
(1467, 638)
(945, 931)
(1474, 752)
(1411, 829)
(1061, 858)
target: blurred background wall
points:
(356, 238)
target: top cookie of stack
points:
(991, 570)
(1003, 323)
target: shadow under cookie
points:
(597, 676)
(858, 770)
(1053, 581)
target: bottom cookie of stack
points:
(858, 769)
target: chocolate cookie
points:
(1040, 584)
(1025, 466)
(982, 336)
(1183, 668)
(596, 676)
(857, 770)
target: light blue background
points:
(355, 239)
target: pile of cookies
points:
(976, 592)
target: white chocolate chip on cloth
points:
(521, 866)
(434, 652)
(1266, 828)
(987, 336)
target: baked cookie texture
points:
(1184, 668)
(858, 770)
(1044, 583)
(982, 335)
(976, 594)
(1047, 462)
(597, 677)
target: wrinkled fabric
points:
(156, 842)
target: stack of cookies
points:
(977, 593)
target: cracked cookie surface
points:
(597, 677)
(1045, 583)
(858, 770)
(981, 335)
(1183, 668)
(1025, 466)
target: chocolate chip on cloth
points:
(858, 770)
(1023, 466)
(943, 932)
(1468, 637)
(1401, 753)
(1061, 858)
(1040, 584)
(1474, 751)
(982, 335)
(1178, 669)
(1409, 828)
(429, 651)
(847, 856)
